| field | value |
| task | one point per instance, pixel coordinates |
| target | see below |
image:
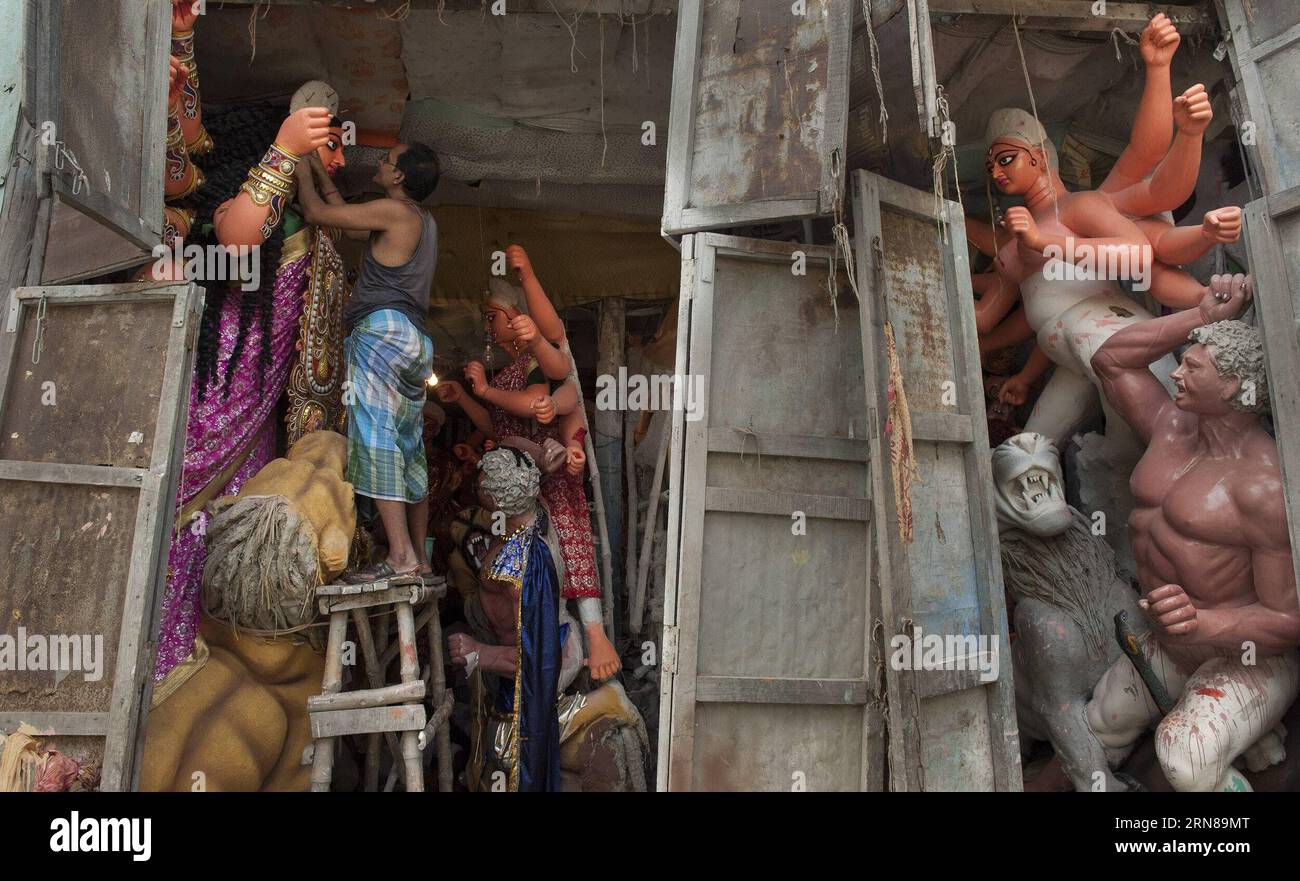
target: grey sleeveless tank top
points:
(405, 288)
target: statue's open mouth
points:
(1036, 486)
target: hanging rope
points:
(873, 50)
(898, 428)
(604, 136)
(947, 153)
(843, 244)
(401, 13)
(252, 28)
(1115, 35)
(1033, 104)
(572, 28)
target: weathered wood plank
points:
(60, 724)
(782, 504)
(749, 690)
(744, 75)
(956, 428)
(723, 439)
(341, 723)
(1077, 15)
(366, 698)
(63, 472)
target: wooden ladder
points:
(390, 710)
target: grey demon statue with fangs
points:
(1062, 595)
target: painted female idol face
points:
(1014, 166)
(496, 321)
(331, 152)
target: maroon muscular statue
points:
(1209, 532)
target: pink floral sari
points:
(218, 431)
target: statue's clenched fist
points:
(517, 257)
(305, 130)
(1170, 611)
(1222, 225)
(1192, 110)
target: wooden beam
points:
(565, 7)
(769, 690)
(1077, 15)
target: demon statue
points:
(1063, 594)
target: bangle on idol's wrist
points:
(271, 182)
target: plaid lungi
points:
(388, 360)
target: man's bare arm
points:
(376, 216)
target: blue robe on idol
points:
(541, 639)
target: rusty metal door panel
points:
(951, 727)
(94, 390)
(767, 623)
(759, 112)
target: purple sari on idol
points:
(218, 432)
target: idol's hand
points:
(1222, 225)
(525, 331)
(1014, 391)
(1159, 41)
(449, 391)
(577, 461)
(554, 455)
(184, 14)
(176, 78)
(1192, 111)
(461, 645)
(1170, 611)
(1020, 223)
(1226, 297)
(477, 377)
(543, 409)
(517, 257)
(304, 130)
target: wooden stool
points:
(382, 709)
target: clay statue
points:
(533, 646)
(1213, 551)
(521, 403)
(1062, 594)
(286, 531)
(1069, 251)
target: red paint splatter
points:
(1211, 692)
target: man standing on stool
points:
(389, 356)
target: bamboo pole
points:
(651, 521)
